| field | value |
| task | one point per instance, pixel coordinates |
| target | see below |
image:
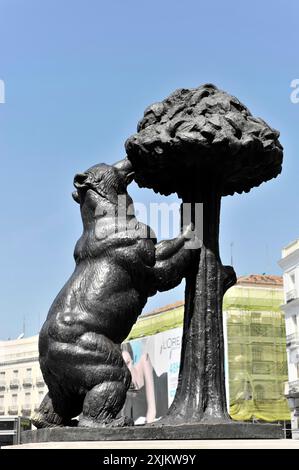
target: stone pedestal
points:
(231, 430)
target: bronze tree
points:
(203, 144)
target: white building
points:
(22, 386)
(290, 266)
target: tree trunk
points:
(200, 395)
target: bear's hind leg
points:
(102, 403)
(47, 417)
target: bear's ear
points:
(76, 197)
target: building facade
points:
(22, 386)
(256, 349)
(290, 265)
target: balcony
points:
(291, 295)
(292, 338)
(14, 383)
(293, 387)
(2, 384)
(2, 410)
(27, 382)
(26, 410)
(13, 410)
(40, 381)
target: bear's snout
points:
(80, 180)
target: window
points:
(1, 400)
(27, 398)
(259, 392)
(14, 400)
(40, 397)
(294, 320)
(256, 317)
(292, 280)
(257, 353)
(28, 373)
(15, 374)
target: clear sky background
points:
(78, 76)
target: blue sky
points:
(78, 76)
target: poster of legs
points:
(154, 365)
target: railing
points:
(293, 337)
(27, 382)
(26, 410)
(291, 295)
(40, 381)
(14, 383)
(294, 386)
(13, 410)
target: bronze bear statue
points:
(118, 266)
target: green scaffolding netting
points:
(257, 365)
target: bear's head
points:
(108, 181)
(102, 190)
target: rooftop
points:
(166, 308)
(261, 280)
(290, 248)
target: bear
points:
(118, 265)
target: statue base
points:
(230, 430)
